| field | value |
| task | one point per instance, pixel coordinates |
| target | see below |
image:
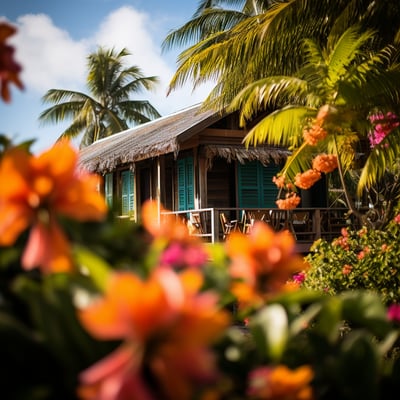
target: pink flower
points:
(115, 377)
(179, 255)
(300, 277)
(393, 312)
(397, 219)
(383, 125)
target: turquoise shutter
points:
(270, 190)
(248, 185)
(181, 185)
(189, 183)
(255, 186)
(185, 183)
(108, 189)
(127, 200)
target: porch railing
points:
(306, 224)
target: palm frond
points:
(380, 159)
(297, 162)
(56, 96)
(209, 22)
(122, 92)
(283, 127)
(346, 50)
(60, 112)
(137, 111)
(373, 91)
(271, 92)
(74, 130)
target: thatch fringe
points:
(266, 155)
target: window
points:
(127, 190)
(185, 183)
(108, 189)
(255, 186)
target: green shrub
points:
(363, 259)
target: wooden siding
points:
(221, 184)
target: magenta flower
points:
(180, 255)
(393, 312)
(383, 125)
(300, 277)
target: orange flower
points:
(307, 179)
(325, 163)
(281, 383)
(262, 262)
(279, 181)
(34, 190)
(312, 135)
(290, 201)
(9, 69)
(163, 225)
(346, 269)
(167, 325)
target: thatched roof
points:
(151, 139)
(165, 135)
(264, 154)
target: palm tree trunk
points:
(349, 200)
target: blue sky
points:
(54, 38)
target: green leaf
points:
(93, 266)
(330, 319)
(358, 367)
(270, 328)
(365, 309)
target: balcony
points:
(306, 224)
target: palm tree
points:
(348, 83)
(108, 109)
(259, 67)
(268, 41)
(211, 26)
(211, 17)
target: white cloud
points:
(49, 56)
(129, 28)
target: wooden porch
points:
(306, 224)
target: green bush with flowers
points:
(93, 308)
(365, 259)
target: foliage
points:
(96, 308)
(237, 42)
(146, 311)
(281, 63)
(365, 259)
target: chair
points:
(196, 223)
(258, 215)
(300, 218)
(248, 219)
(227, 226)
(302, 226)
(277, 219)
(243, 225)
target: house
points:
(189, 160)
